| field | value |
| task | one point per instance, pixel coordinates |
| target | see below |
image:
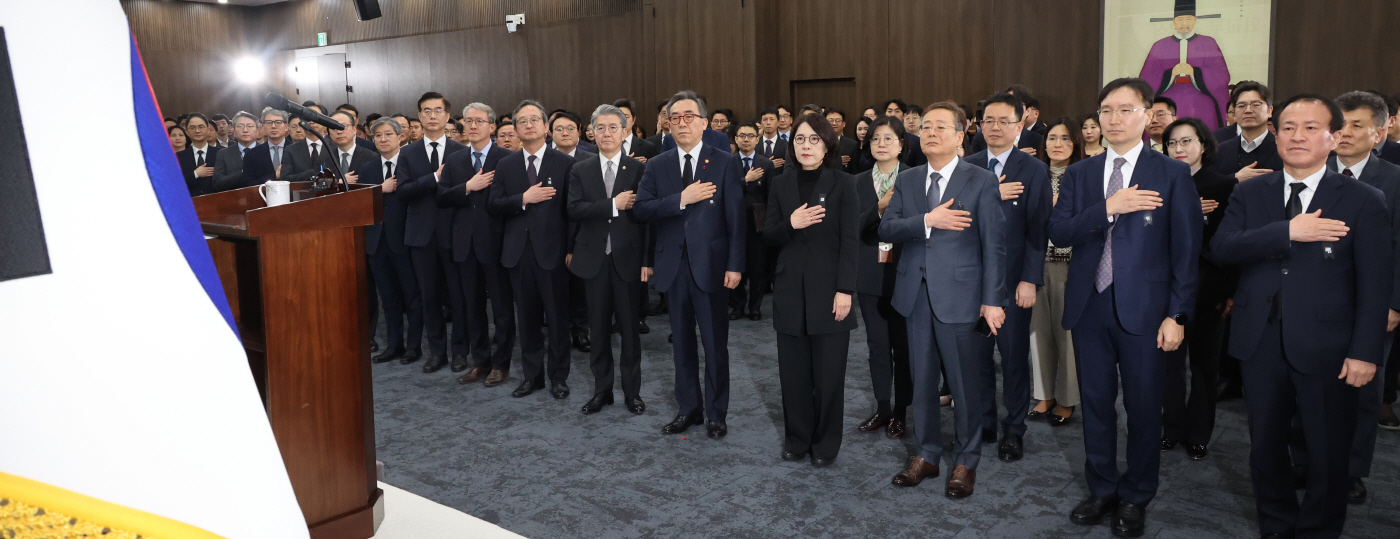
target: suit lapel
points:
(961, 174)
(1329, 189)
(1277, 210)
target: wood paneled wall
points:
(740, 54)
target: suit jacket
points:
(296, 161)
(590, 207)
(1027, 217)
(1155, 252)
(818, 261)
(197, 186)
(358, 157)
(474, 228)
(780, 148)
(1029, 139)
(1040, 129)
(965, 269)
(1390, 151)
(643, 147)
(228, 170)
(1230, 156)
(756, 192)
(913, 151)
(543, 225)
(1217, 281)
(1385, 176)
(1334, 304)
(257, 166)
(1225, 133)
(710, 137)
(874, 278)
(711, 231)
(395, 208)
(426, 220)
(655, 140)
(850, 147)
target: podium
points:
(297, 284)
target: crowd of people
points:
(1124, 248)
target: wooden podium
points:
(296, 281)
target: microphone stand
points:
(335, 164)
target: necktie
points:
(992, 166)
(783, 136)
(934, 193)
(242, 152)
(344, 162)
(199, 158)
(768, 148)
(433, 156)
(388, 169)
(1347, 172)
(276, 156)
(476, 161)
(1295, 201)
(687, 173)
(748, 163)
(609, 177)
(315, 152)
(531, 172)
(1104, 278)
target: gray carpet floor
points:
(538, 467)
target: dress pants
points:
(1363, 444)
(1053, 372)
(1274, 393)
(398, 288)
(749, 294)
(690, 306)
(541, 295)
(888, 339)
(609, 295)
(812, 373)
(578, 306)
(1391, 371)
(953, 348)
(1014, 341)
(478, 281)
(1106, 353)
(432, 267)
(1192, 421)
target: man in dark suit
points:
(695, 197)
(663, 125)
(228, 167)
(769, 144)
(712, 138)
(476, 249)
(1134, 220)
(349, 156)
(261, 164)
(428, 232)
(389, 258)
(221, 132)
(636, 148)
(1309, 317)
(565, 128)
(530, 192)
(613, 255)
(1025, 201)
(947, 216)
(1032, 119)
(758, 173)
(304, 159)
(849, 147)
(1254, 152)
(1389, 150)
(913, 153)
(198, 158)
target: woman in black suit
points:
(884, 327)
(813, 220)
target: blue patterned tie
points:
(1104, 278)
(476, 161)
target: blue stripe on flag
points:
(169, 186)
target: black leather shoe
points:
(388, 355)
(1356, 495)
(755, 315)
(643, 328)
(435, 364)
(1197, 452)
(989, 436)
(735, 314)
(581, 342)
(461, 363)
(682, 423)
(527, 387)
(1130, 520)
(793, 456)
(1169, 444)
(636, 406)
(1228, 390)
(411, 356)
(1092, 510)
(716, 429)
(818, 462)
(560, 390)
(373, 346)
(1010, 449)
(1388, 419)
(597, 403)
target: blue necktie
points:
(476, 161)
(992, 166)
(1104, 278)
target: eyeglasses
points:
(607, 129)
(940, 130)
(530, 120)
(274, 123)
(784, 116)
(1183, 142)
(803, 139)
(884, 139)
(1121, 113)
(683, 118)
(998, 123)
(245, 126)
(434, 110)
(745, 136)
(565, 129)
(475, 121)
(1256, 105)
(1162, 114)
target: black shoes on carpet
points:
(1129, 520)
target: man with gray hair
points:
(228, 166)
(263, 162)
(694, 194)
(612, 255)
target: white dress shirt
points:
(1306, 195)
(1001, 160)
(694, 154)
(195, 152)
(1355, 169)
(275, 151)
(616, 161)
(944, 174)
(1131, 156)
(1251, 145)
(484, 151)
(313, 147)
(775, 140)
(539, 161)
(627, 145)
(394, 160)
(347, 157)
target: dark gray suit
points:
(296, 160)
(943, 281)
(228, 169)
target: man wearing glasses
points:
(695, 196)
(305, 158)
(228, 168)
(198, 158)
(275, 126)
(428, 232)
(1255, 151)
(758, 171)
(1163, 114)
(1133, 217)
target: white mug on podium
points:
(275, 192)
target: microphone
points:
(276, 101)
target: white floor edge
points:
(410, 516)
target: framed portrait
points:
(1189, 50)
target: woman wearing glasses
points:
(1190, 419)
(884, 327)
(813, 219)
(1054, 380)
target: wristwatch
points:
(1180, 318)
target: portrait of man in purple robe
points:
(1189, 68)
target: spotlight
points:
(223, 1)
(248, 70)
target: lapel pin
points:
(707, 161)
(624, 167)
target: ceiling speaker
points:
(367, 9)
